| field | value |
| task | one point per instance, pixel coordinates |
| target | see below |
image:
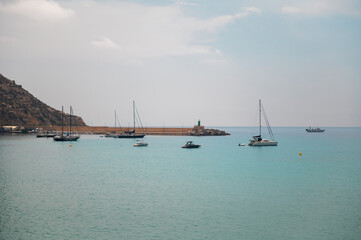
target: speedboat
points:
(140, 144)
(190, 144)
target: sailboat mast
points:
(62, 121)
(260, 120)
(133, 117)
(70, 121)
(115, 121)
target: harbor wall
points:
(104, 130)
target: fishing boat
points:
(258, 141)
(65, 137)
(132, 133)
(140, 143)
(314, 130)
(190, 144)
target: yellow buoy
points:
(70, 145)
(300, 154)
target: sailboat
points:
(113, 135)
(66, 137)
(132, 134)
(258, 140)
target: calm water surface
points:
(103, 188)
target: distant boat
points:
(132, 134)
(190, 144)
(140, 143)
(113, 135)
(41, 135)
(66, 137)
(45, 134)
(314, 129)
(258, 141)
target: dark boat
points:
(131, 133)
(190, 144)
(65, 137)
(314, 129)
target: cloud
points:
(252, 9)
(153, 31)
(135, 31)
(213, 24)
(105, 43)
(323, 7)
(184, 3)
(37, 9)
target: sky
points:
(182, 61)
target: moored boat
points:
(258, 141)
(68, 136)
(132, 133)
(190, 144)
(140, 144)
(314, 129)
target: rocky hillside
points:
(19, 107)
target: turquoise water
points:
(103, 188)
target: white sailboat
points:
(258, 141)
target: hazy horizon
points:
(182, 61)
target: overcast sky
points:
(187, 60)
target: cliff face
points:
(19, 107)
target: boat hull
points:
(316, 131)
(140, 144)
(130, 136)
(66, 138)
(111, 135)
(191, 146)
(262, 143)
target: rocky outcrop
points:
(19, 107)
(201, 131)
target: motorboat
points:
(190, 144)
(140, 144)
(314, 129)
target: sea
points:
(308, 187)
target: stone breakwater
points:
(166, 131)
